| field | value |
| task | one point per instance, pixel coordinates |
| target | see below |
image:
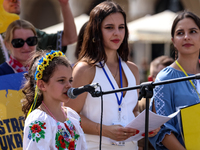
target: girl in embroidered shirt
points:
(21, 41)
(48, 124)
(104, 59)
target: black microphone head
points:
(70, 93)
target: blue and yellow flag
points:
(11, 115)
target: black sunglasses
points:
(31, 41)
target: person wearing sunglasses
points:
(58, 41)
(21, 41)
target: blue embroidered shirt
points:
(168, 98)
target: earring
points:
(175, 53)
(93, 40)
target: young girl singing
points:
(48, 124)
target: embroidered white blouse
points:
(42, 132)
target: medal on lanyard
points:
(119, 101)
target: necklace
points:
(115, 75)
(65, 137)
(116, 72)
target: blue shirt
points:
(5, 69)
(168, 98)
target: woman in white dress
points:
(104, 59)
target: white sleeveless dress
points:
(92, 108)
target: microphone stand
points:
(146, 91)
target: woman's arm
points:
(69, 32)
(82, 74)
(163, 103)
(135, 71)
(171, 142)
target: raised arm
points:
(69, 32)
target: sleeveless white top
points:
(92, 106)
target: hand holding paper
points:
(155, 121)
(152, 133)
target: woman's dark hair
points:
(183, 15)
(80, 40)
(30, 83)
(92, 50)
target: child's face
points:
(59, 83)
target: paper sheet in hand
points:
(155, 121)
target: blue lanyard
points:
(120, 72)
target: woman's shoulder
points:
(82, 66)
(132, 66)
(134, 69)
(168, 73)
(84, 71)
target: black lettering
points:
(21, 122)
(2, 130)
(15, 124)
(6, 121)
(10, 142)
(18, 140)
(3, 143)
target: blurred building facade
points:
(36, 11)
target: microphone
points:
(74, 92)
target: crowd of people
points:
(58, 41)
(54, 121)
